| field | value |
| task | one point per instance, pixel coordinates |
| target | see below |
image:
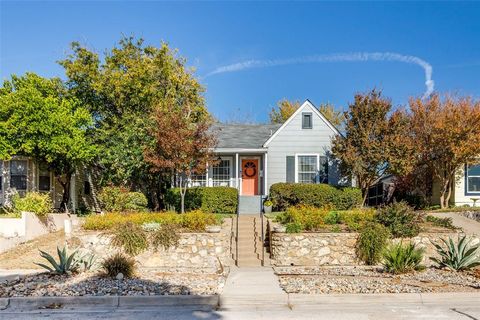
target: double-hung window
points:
(44, 178)
(18, 174)
(473, 178)
(221, 173)
(312, 169)
(307, 120)
(199, 180)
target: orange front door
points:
(250, 177)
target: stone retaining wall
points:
(474, 215)
(317, 249)
(194, 251)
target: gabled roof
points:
(243, 136)
(306, 104)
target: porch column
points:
(237, 184)
(265, 173)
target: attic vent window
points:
(307, 120)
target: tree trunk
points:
(66, 192)
(444, 193)
(183, 191)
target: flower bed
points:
(193, 221)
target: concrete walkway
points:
(469, 226)
(255, 287)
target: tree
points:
(182, 143)
(373, 144)
(39, 120)
(446, 136)
(122, 91)
(285, 109)
(337, 118)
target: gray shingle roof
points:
(245, 136)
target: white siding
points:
(460, 196)
(292, 139)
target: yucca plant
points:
(458, 256)
(66, 264)
(400, 258)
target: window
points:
(307, 169)
(87, 189)
(473, 178)
(18, 174)
(221, 173)
(307, 120)
(312, 169)
(43, 177)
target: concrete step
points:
(249, 204)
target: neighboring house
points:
(254, 157)
(466, 189)
(22, 174)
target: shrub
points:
(457, 256)
(371, 242)
(38, 203)
(284, 195)
(399, 258)
(306, 218)
(293, 227)
(400, 219)
(441, 222)
(197, 220)
(66, 263)
(355, 219)
(165, 236)
(333, 217)
(208, 199)
(129, 237)
(118, 199)
(119, 263)
(188, 221)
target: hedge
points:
(119, 199)
(285, 195)
(208, 199)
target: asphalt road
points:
(312, 312)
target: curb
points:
(34, 303)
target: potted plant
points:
(267, 206)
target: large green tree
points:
(121, 91)
(38, 119)
(373, 144)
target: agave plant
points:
(457, 256)
(66, 264)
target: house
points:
(254, 157)
(23, 174)
(466, 188)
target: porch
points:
(243, 169)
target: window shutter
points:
(290, 169)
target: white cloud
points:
(337, 57)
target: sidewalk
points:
(469, 226)
(255, 287)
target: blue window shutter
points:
(290, 169)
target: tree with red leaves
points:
(183, 143)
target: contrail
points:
(338, 57)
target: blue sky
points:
(33, 35)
